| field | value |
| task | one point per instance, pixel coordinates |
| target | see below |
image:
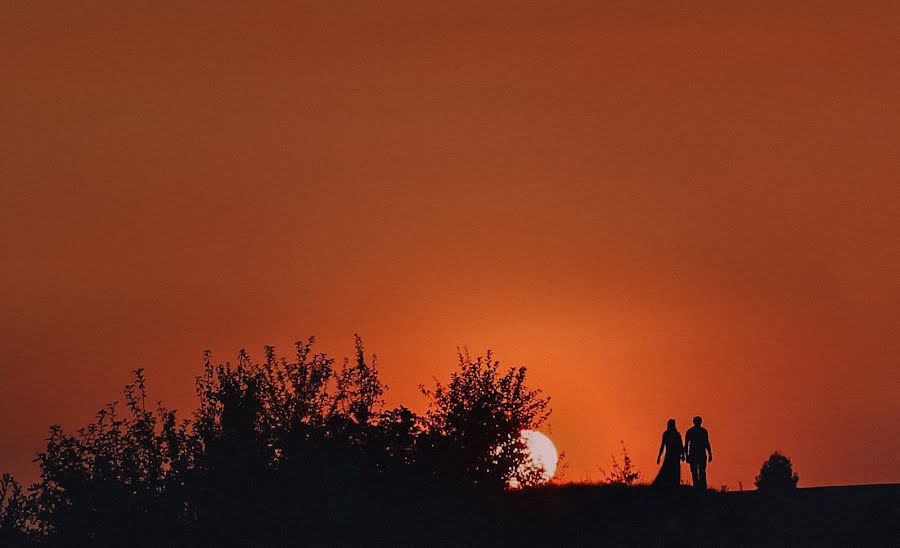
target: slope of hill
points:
(581, 514)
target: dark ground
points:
(570, 515)
(588, 515)
(585, 515)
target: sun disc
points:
(542, 452)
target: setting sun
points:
(542, 452)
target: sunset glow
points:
(659, 212)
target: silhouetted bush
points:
(116, 475)
(776, 474)
(621, 473)
(282, 450)
(473, 425)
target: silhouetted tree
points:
(109, 481)
(776, 474)
(279, 449)
(285, 435)
(473, 424)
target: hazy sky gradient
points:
(661, 211)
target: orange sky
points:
(661, 212)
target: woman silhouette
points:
(670, 472)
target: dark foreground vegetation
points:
(294, 450)
(303, 452)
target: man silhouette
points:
(696, 446)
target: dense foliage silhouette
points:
(473, 424)
(285, 449)
(776, 474)
(13, 511)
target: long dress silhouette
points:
(670, 472)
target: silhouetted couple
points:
(694, 449)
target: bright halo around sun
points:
(541, 454)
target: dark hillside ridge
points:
(583, 514)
